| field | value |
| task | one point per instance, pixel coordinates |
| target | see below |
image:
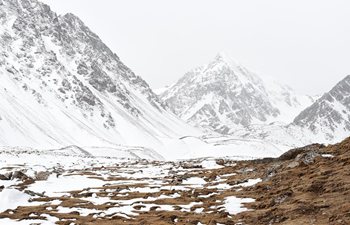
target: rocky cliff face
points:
(54, 66)
(226, 96)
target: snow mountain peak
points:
(225, 58)
(225, 96)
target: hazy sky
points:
(305, 44)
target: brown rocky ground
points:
(309, 185)
(303, 188)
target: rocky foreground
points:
(310, 185)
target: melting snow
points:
(210, 164)
(250, 182)
(233, 205)
(57, 186)
(194, 181)
(12, 198)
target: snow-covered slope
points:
(61, 85)
(160, 91)
(286, 100)
(329, 117)
(225, 96)
(325, 121)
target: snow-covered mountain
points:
(61, 85)
(325, 121)
(225, 96)
(329, 116)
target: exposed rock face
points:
(293, 153)
(64, 46)
(55, 63)
(224, 96)
(329, 115)
(42, 175)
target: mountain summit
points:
(224, 96)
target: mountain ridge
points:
(61, 85)
(224, 96)
(330, 113)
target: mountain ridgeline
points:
(61, 85)
(225, 96)
(329, 115)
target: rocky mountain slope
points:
(225, 96)
(61, 85)
(325, 121)
(329, 116)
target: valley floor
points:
(310, 185)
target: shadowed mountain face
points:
(61, 85)
(225, 96)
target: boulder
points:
(42, 175)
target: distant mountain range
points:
(225, 97)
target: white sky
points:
(305, 44)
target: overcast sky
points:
(305, 44)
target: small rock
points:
(42, 175)
(191, 166)
(8, 175)
(293, 164)
(271, 171)
(19, 175)
(307, 158)
(3, 177)
(220, 162)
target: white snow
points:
(210, 164)
(234, 205)
(194, 181)
(250, 182)
(59, 186)
(12, 198)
